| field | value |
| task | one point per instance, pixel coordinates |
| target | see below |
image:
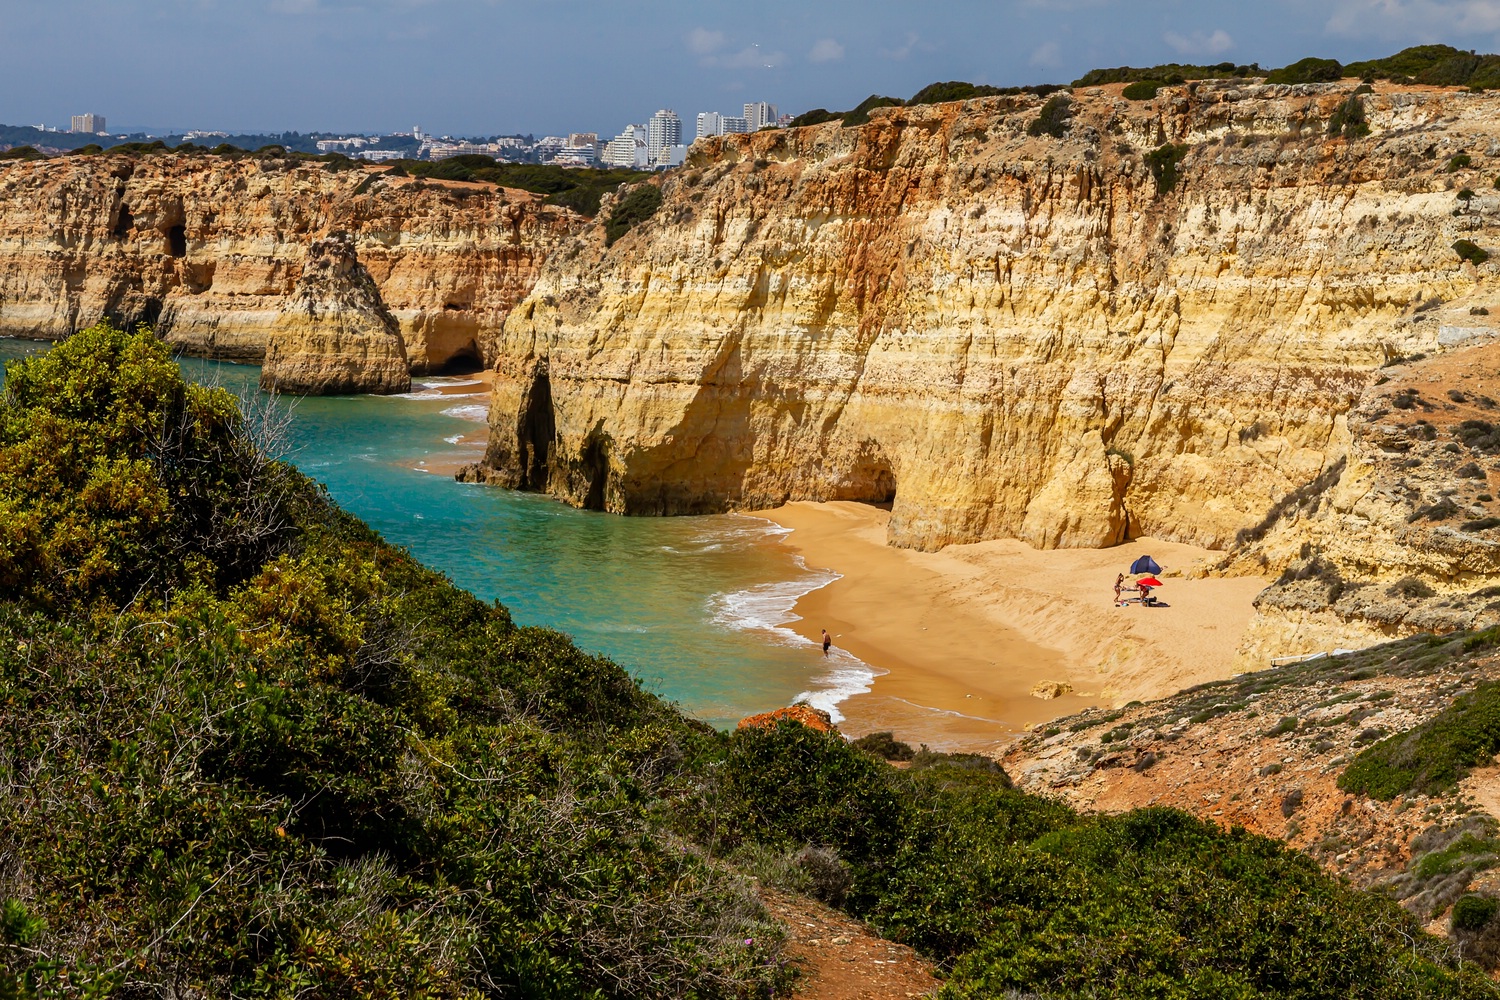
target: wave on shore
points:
(768, 608)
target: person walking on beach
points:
(827, 641)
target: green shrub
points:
(817, 116)
(22, 153)
(1473, 911)
(1459, 161)
(861, 113)
(1142, 90)
(1162, 162)
(1432, 758)
(1309, 70)
(1288, 724)
(1054, 118)
(885, 746)
(1349, 120)
(953, 90)
(638, 205)
(1470, 252)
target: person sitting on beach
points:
(827, 641)
(1145, 593)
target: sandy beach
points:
(964, 635)
(466, 448)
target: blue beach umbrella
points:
(1145, 564)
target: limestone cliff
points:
(212, 251)
(1051, 338)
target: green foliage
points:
(1408, 62)
(1162, 162)
(885, 746)
(1171, 73)
(1470, 252)
(953, 90)
(861, 112)
(1054, 118)
(638, 205)
(1432, 758)
(22, 153)
(1309, 70)
(1142, 90)
(1349, 120)
(1473, 911)
(817, 116)
(1459, 161)
(578, 189)
(316, 768)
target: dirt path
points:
(840, 958)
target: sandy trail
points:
(964, 634)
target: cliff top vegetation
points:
(249, 749)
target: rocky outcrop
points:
(334, 334)
(1059, 339)
(212, 251)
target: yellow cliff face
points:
(213, 250)
(1005, 335)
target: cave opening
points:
(595, 462)
(464, 361)
(124, 222)
(535, 434)
(177, 240)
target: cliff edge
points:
(1153, 321)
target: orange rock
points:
(812, 718)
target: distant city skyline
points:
(496, 67)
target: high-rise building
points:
(662, 131)
(628, 149)
(713, 123)
(88, 124)
(710, 123)
(759, 115)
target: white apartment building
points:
(759, 115)
(628, 149)
(88, 124)
(663, 131)
(713, 123)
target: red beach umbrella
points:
(1148, 581)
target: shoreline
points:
(958, 639)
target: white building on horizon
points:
(713, 123)
(759, 114)
(628, 149)
(88, 124)
(663, 131)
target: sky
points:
(490, 67)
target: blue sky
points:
(500, 66)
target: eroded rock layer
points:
(211, 251)
(1044, 337)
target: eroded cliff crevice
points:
(212, 251)
(1035, 338)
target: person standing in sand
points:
(827, 641)
(1119, 584)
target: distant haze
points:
(482, 67)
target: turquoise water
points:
(690, 606)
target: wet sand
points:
(965, 634)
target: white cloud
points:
(826, 50)
(1414, 20)
(702, 41)
(913, 41)
(1047, 55)
(1199, 44)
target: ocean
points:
(693, 607)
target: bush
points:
(1349, 120)
(1309, 70)
(638, 205)
(1432, 758)
(817, 116)
(22, 153)
(953, 90)
(1142, 90)
(1410, 588)
(1162, 162)
(861, 113)
(1459, 161)
(1473, 911)
(1054, 118)
(885, 746)
(1470, 253)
